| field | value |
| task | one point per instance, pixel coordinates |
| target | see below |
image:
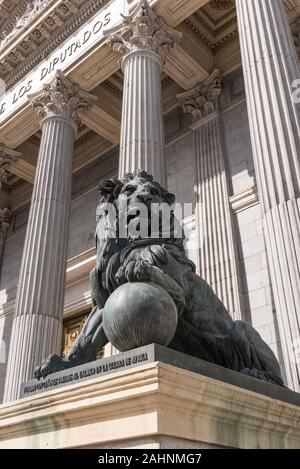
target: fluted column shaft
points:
(38, 316)
(270, 68)
(143, 41)
(218, 260)
(217, 256)
(37, 325)
(142, 134)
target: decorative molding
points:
(244, 200)
(204, 99)
(40, 41)
(221, 4)
(34, 8)
(10, 11)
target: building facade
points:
(209, 104)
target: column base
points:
(156, 405)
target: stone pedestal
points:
(271, 68)
(142, 40)
(37, 325)
(156, 405)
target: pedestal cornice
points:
(145, 403)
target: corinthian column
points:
(142, 40)
(37, 325)
(270, 69)
(218, 262)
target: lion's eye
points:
(154, 191)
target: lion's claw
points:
(134, 271)
(52, 364)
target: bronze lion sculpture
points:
(205, 328)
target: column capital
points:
(203, 100)
(143, 30)
(8, 158)
(61, 98)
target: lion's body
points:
(205, 328)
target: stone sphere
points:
(138, 314)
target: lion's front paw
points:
(135, 271)
(51, 365)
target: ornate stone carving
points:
(5, 222)
(61, 98)
(143, 30)
(221, 4)
(36, 53)
(8, 157)
(33, 8)
(204, 99)
(203, 327)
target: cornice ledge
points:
(244, 200)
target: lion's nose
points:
(144, 196)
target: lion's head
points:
(133, 213)
(146, 209)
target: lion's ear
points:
(170, 198)
(107, 186)
(117, 190)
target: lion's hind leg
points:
(253, 356)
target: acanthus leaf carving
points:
(143, 30)
(204, 99)
(62, 98)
